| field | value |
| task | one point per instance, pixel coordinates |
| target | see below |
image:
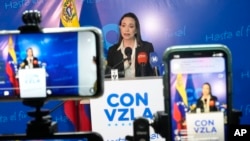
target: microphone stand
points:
(108, 69)
(123, 60)
(42, 124)
(156, 71)
(128, 52)
(142, 65)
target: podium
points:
(32, 83)
(205, 126)
(123, 101)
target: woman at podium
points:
(207, 102)
(131, 54)
(30, 61)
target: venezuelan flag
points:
(78, 113)
(10, 65)
(180, 102)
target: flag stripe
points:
(177, 115)
(181, 89)
(10, 73)
(11, 50)
(84, 116)
(70, 111)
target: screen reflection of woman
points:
(30, 61)
(207, 102)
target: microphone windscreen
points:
(128, 51)
(142, 58)
(205, 100)
(154, 59)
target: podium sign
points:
(205, 126)
(113, 114)
(32, 83)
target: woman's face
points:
(29, 52)
(128, 28)
(205, 89)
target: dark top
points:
(212, 104)
(35, 63)
(114, 57)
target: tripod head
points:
(31, 20)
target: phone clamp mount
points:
(160, 125)
(42, 124)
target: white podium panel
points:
(32, 83)
(112, 115)
(205, 126)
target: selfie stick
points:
(42, 124)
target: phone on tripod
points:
(56, 63)
(197, 91)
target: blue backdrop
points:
(175, 22)
(163, 22)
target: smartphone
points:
(67, 136)
(197, 91)
(57, 63)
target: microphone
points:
(205, 101)
(128, 52)
(154, 62)
(142, 60)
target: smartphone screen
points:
(50, 64)
(198, 89)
